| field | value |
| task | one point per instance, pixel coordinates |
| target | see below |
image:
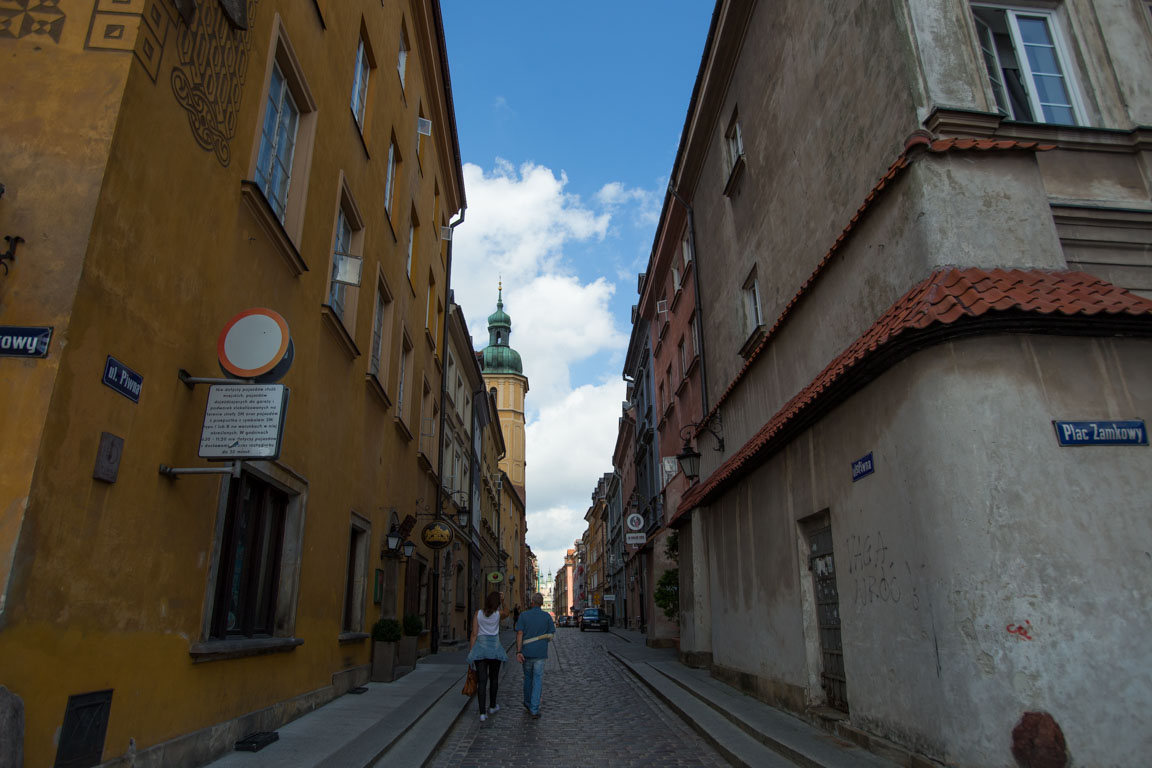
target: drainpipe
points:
(440, 447)
(696, 298)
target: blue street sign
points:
(1073, 433)
(123, 379)
(862, 467)
(19, 341)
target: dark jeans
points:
(487, 671)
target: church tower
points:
(504, 374)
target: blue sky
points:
(569, 116)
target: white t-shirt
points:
(488, 625)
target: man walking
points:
(534, 629)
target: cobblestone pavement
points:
(592, 713)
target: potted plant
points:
(385, 635)
(413, 626)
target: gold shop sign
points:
(436, 535)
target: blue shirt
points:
(532, 623)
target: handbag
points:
(470, 682)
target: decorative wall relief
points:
(208, 80)
(31, 18)
(140, 26)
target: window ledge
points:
(664, 328)
(346, 638)
(687, 268)
(753, 341)
(377, 388)
(270, 224)
(431, 341)
(695, 361)
(948, 122)
(682, 385)
(402, 428)
(734, 175)
(333, 322)
(220, 650)
(676, 297)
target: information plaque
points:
(243, 421)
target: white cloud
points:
(644, 203)
(522, 226)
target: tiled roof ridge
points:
(945, 298)
(915, 145)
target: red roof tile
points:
(945, 298)
(919, 141)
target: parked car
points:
(594, 618)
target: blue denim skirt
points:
(487, 647)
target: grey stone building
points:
(923, 232)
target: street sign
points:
(862, 467)
(256, 344)
(609, 598)
(635, 521)
(635, 538)
(122, 379)
(243, 422)
(20, 341)
(1077, 433)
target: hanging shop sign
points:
(635, 521)
(243, 422)
(436, 535)
(21, 341)
(1077, 433)
(122, 379)
(256, 344)
(863, 467)
(495, 577)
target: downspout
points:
(696, 299)
(443, 400)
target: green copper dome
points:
(498, 357)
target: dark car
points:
(594, 618)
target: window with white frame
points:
(733, 142)
(753, 317)
(695, 323)
(356, 579)
(278, 142)
(402, 381)
(390, 176)
(347, 242)
(683, 358)
(1027, 63)
(686, 250)
(675, 277)
(381, 331)
(413, 231)
(402, 56)
(360, 83)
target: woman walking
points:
(487, 653)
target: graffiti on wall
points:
(876, 576)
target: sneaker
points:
(493, 710)
(535, 715)
(483, 718)
(528, 709)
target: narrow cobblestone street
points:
(593, 712)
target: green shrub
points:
(386, 631)
(667, 594)
(413, 625)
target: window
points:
(248, 579)
(355, 586)
(752, 315)
(360, 83)
(390, 176)
(733, 143)
(277, 143)
(695, 323)
(402, 57)
(1026, 65)
(381, 330)
(683, 359)
(413, 231)
(347, 242)
(675, 277)
(686, 250)
(402, 380)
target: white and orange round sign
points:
(255, 344)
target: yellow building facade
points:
(169, 164)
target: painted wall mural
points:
(208, 80)
(31, 18)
